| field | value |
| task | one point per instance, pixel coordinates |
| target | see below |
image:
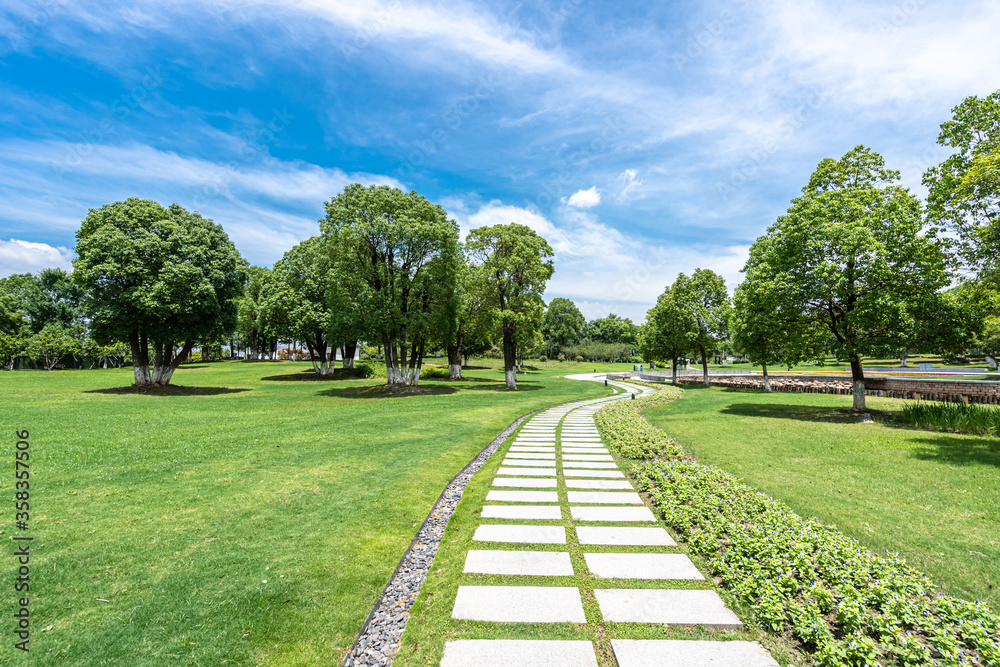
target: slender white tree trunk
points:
(859, 395)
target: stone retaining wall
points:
(964, 391)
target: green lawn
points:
(933, 497)
(158, 518)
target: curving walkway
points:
(560, 511)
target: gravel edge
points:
(378, 640)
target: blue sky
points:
(640, 140)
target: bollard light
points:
(633, 397)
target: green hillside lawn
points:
(933, 497)
(157, 519)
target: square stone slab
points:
(690, 653)
(529, 472)
(518, 653)
(592, 473)
(589, 464)
(672, 607)
(629, 536)
(538, 456)
(526, 463)
(524, 483)
(642, 566)
(604, 497)
(519, 604)
(527, 563)
(597, 484)
(523, 496)
(568, 456)
(611, 514)
(521, 534)
(531, 512)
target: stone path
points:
(558, 471)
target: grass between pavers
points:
(430, 624)
(176, 506)
(809, 583)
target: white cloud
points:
(588, 198)
(18, 256)
(629, 180)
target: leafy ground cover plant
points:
(800, 579)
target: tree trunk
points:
(858, 378)
(454, 362)
(903, 360)
(140, 362)
(767, 379)
(509, 350)
(395, 360)
(704, 365)
(350, 349)
(673, 368)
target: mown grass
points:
(248, 515)
(932, 497)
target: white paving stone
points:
(669, 606)
(611, 514)
(536, 443)
(528, 463)
(605, 484)
(584, 450)
(592, 473)
(530, 448)
(525, 483)
(597, 465)
(690, 653)
(605, 497)
(529, 472)
(572, 456)
(518, 653)
(523, 496)
(624, 536)
(642, 566)
(527, 563)
(519, 604)
(530, 512)
(531, 455)
(521, 534)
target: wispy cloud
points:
(18, 256)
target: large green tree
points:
(666, 332)
(852, 254)
(399, 255)
(13, 320)
(705, 302)
(256, 322)
(562, 325)
(159, 278)
(964, 190)
(473, 325)
(612, 329)
(514, 266)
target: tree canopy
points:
(160, 276)
(562, 325)
(514, 267)
(704, 301)
(852, 254)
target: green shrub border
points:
(804, 581)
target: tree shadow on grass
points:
(312, 376)
(169, 390)
(962, 451)
(810, 413)
(385, 391)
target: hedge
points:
(802, 580)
